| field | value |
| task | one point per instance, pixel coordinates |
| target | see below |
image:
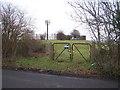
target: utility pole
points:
(47, 22)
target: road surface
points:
(22, 79)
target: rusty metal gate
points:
(73, 50)
(84, 51)
(66, 47)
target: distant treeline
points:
(74, 35)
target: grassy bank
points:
(45, 64)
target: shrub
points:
(106, 56)
(38, 47)
(61, 36)
(27, 47)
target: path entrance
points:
(66, 51)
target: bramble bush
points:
(30, 47)
(106, 57)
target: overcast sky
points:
(57, 11)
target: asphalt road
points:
(21, 79)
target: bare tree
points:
(42, 36)
(61, 35)
(111, 19)
(15, 26)
(75, 33)
(99, 16)
(103, 21)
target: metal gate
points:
(73, 50)
(84, 51)
(66, 47)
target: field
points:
(65, 55)
(63, 63)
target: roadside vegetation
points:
(40, 61)
(21, 51)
